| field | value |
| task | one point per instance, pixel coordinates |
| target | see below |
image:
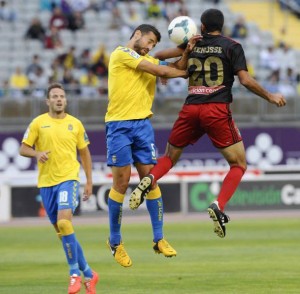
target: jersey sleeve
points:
(83, 139)
(238, 58)
(31, 134)
(129, 57)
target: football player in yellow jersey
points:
(129, 133)
(53, 139)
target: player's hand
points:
(163, 81)
(42, 156)
(277, 99)
(88, 189)
(192, 42)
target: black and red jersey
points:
(212, 65)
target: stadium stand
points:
(110, 23)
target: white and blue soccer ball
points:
(181, 29)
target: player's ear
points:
(137, 34)
(202, 29)
(47, 101)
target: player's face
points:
(57, 101)
(145, 43)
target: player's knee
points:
(65, 227)
(242, 167)
(154, 194)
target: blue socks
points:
(70, 247)
(156, 211)
(115, 219)
(83, 265)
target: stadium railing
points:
(246, 108)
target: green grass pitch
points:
(257, 256)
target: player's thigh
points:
(48, 195)
(68, 195)
(235, 154)
(220, 126)
(118, 143)
(186, 129)
(143, 147)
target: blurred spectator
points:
(36, 30)
(286, 58)
(239, 30)
(271, 84)
(58, 20)
(100, 60)
(288, 82)
(5, 89)
(79, 5)
(154, 10)
(19, 83)
(84, 59)
(55, 71)
(34, 65)
(68, 59)
(52, 39)
(268, 59)
(177, 87)
(175, 10)
(49, 5)
(70, 83)
(89, 85)
(117, 20)
(7, 13)
(39, 82)
(134, 18)
(76, 21)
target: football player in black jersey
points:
(212, 64)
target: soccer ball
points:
(181, 29)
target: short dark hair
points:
(54, 86)
(147, 28)
(213, 20)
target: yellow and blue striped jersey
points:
(62, 137)
(130, 91)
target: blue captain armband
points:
(162, 62)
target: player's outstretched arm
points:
(86, 161)
(161, 70)
(169, 53)
(182, 62)
(253, 86)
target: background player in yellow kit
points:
(53, 139)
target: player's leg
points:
(68, 199)
(121, 176)
(236, 158)
(154, 203)
(226, 137)
(184, 132)
(155, 208)
(119, 157)
(83, 265)
(148, 182)
(50, 197)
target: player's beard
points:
(138, 49)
